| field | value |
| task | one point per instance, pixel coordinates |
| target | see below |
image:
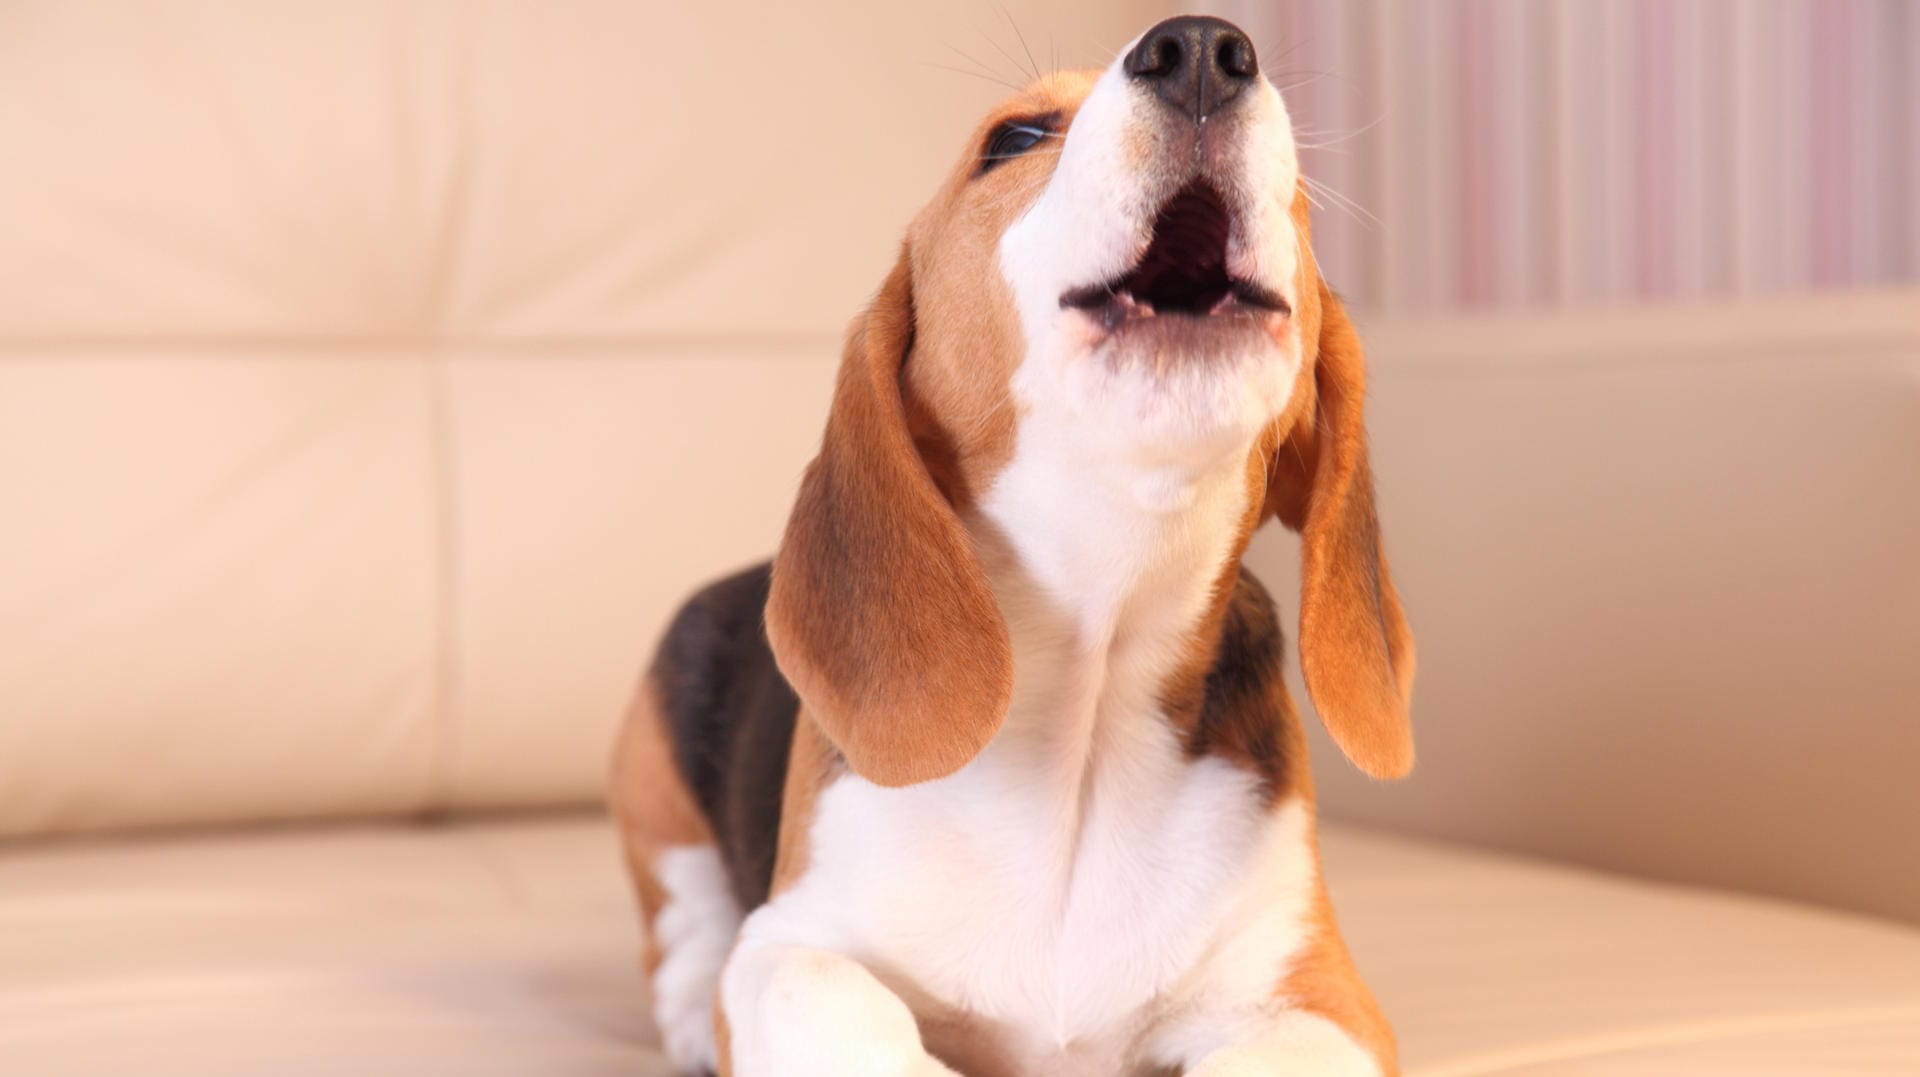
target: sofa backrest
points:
(375, 376)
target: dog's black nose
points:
(1196, 63)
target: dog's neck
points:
(1104, 572)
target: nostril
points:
(1166, 57)
(1235, 57)
(1158, 56)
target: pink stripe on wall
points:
(1654, 93)
(1831, 220)
(1476, 271)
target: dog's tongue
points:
(1185, 267)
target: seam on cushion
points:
(1579, 1047)
(638, 345)
(449, 241)
(443, 731)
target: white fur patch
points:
(1092, 222)
(694, 930)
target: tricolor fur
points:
(992, 770)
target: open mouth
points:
(1183, 272)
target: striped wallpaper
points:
(1509, 153)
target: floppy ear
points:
(880, 614)
(1355, 647)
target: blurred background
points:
(376, 376)
(1491, 154)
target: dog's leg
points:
(1319, 1018)
(692, 934)
(798, 1011)
(688, 912)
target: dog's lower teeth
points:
(1121, 308)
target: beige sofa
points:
(374, 377)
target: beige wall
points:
(1663, 569)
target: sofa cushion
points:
(510, 947)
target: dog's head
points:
(1122, 258)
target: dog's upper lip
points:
(1183, 269)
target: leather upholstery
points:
(375, 376)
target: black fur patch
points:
(730, 716)
(1245, 710)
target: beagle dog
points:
(992, 771)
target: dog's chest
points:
(1063, 916)
(1052, 903)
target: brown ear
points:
(1355, 647)
(880, 614)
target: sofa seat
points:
(508, 946)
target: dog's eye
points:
(1010, 140)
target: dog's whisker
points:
(971, 74)
(1022, 38)
(1004, 54)
(1009, 80)
(1326, 199)
(1272, 53)
(1341, 136)
(1296, 84)
(1350, 205)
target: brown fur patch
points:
(1185, 695)
(1230, 700)
(812, 766)
(652, 806)
(968, 341)
(1356, 649)
(722, 1037)
(1324, 981)
(880, 615)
